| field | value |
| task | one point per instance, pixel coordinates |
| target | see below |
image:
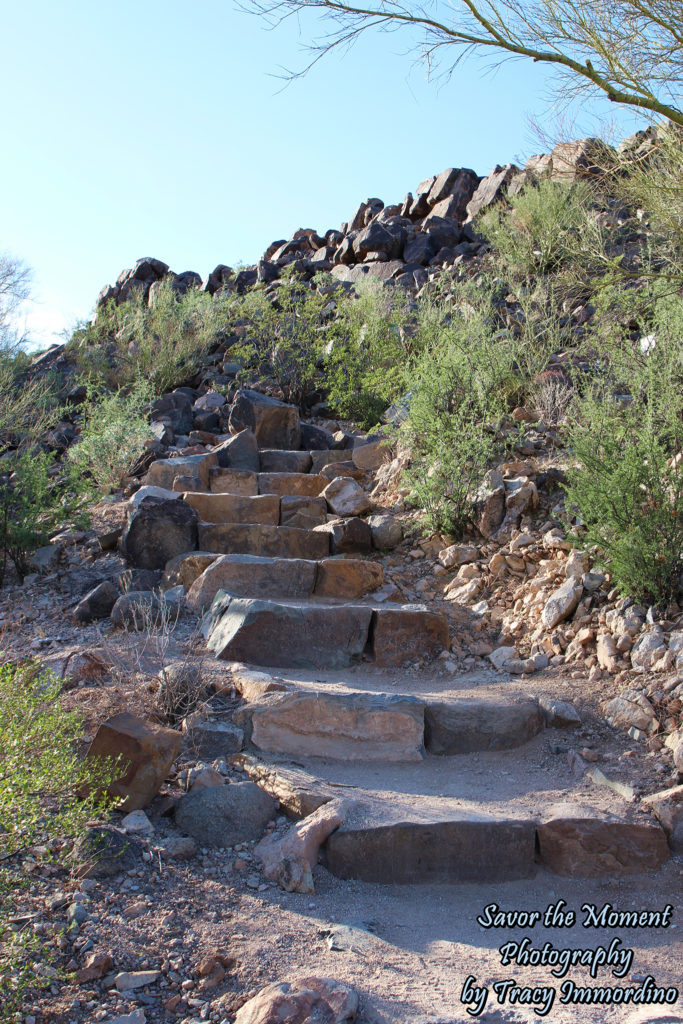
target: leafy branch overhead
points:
(629, 50)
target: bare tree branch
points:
(630, 50)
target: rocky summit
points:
(337, 731)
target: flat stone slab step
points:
(271, 541)
(313, 635)
(357, 726)
(294, 578)
(426, 822)
(352, 725)
(246, 482)
(235, 508)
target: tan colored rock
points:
(667, 807)
(608, 657)
(253, 685)
(458, 554)
(344, 727)
(298, 792)
(349, 578)
(575, 842)
(146, 752)
(346, 498)
(269, 541)
(630, 710)
(163, 472)
(306, 1001)
(233, 481)
(301, 843)
(408, 634)
(234, 508)
(185, 569)
(302, 485)
(370, 457)
(253, 576)
(561, 603)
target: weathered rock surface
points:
(348, 578)
(103, 851)
(407, 634)
(253, 576)
(239, 452)
(561, 603)
(233, 508)
(158, 531)
(225, 815)
(575, 842)
(467, 724)
(305, 1001)
(346, 498)
(146, 751)
(299, 848)
(269, 541)
(345, 727)
(273, 423)
(306, 636)
(406, 853)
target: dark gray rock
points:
(275, 424)
(103, 851)
(175, 409)
(157, 531)
(239, 452)
(98, 603)
(225, 815)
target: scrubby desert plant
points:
(114, 434)
(42, 803)
(547, 226)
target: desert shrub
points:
(33, 504)
(114, 434)
(42, 777)
(460, 386)
(285, 334)
(162, 344)
(28, 407)
(372, 353)
(547, 226)
(626, 434)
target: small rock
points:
(128, 981)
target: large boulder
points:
(491, 189)
(346, 498)
(253, 576)
(274, 424)
(225, 815)
(158, 531)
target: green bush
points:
(33, 504)
(285, 334)
(373, 352)
(114, 434)
(461, 386)
(162, 344)
(627, 483)
(546, 227)
(42, 777)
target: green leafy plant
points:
(41, 776)
(626, 435)
(547, 226)
(114, 434)
(33, 504)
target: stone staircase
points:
(284, 585)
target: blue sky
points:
(157, 129)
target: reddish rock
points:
(576, 842)
(306, 1001)
(399, 635)
(149, 751)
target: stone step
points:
(444, 820)
(271, 541)
(246, 482)
(352, 725)
(318, 635)
(235, 508)
(294, 578)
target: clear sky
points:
(157, 129)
